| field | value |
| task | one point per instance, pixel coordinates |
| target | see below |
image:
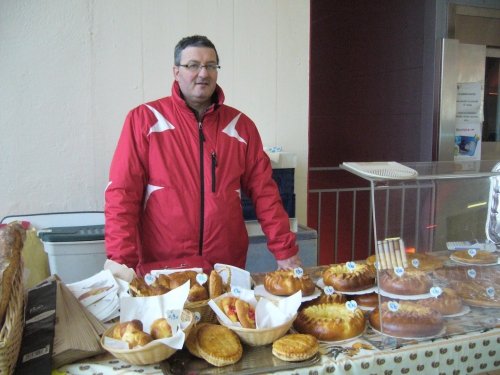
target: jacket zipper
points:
(214, 165)
(202, 186)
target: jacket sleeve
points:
(259, 186)
(124, 194)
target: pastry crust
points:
(245, 313)
(285, 283)
(342, 279)
(330, 322)
(218, 345)
(190, 342)
(447, 303)
(160, 329)
(365, 300)
(295, 347)
(215, 287)
(324, 298)
(227, 305)
(134, 334)
(461, 273)
(474, 293)
(412, 282)
(481, 257)
(411, 320)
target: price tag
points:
(350, 266)
(201, 278)
(472, 252)
(399, 271)
(436, 291)
(329, 290)
(236, 291)
(197, 317)
(351, 305)
(376, 265)
(415, 263)
(490, 291)
(173, 319)
(149, 279)
(471, 273)
(298, 272)
(393, 306)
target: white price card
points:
(399, 271)
(436, 291)
(149, 279)
(298, 272)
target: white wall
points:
(71, 70)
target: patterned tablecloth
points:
(470, 344)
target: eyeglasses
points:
(195, 67)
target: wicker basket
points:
(12, 331)
(258, 337)
(207, 315)
(150, 354)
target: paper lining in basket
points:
(267, 314)
(148, 309)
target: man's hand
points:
(290, 263)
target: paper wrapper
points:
(148, 309)
(267, 314)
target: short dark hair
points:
(192, 41)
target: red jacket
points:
(161, 203)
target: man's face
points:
(197, 87)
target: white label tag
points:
(472, 252)
(436, 291)
(490, 291)
(415, 263)
(149, 279)
(298, 272)
(393, 306)
(329, 290)
(350, 266)
(471, 273)
(399, 271)
(201, 278)
(351, 305)
(197, 317)
(236, 291)
(173, 319)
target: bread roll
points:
(12, 239)
(160, 329)
(134, 334)
(285, 283)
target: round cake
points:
(341, 278)
(481, 257)
(286, 283)
(447, 303)
(411, 320)
(325, 298)
(463, 273)
(475, 293)
(411, 282)
(365, 300)
(330, 322)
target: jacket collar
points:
(217, 98)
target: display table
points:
(470, 345)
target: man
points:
(174, 193)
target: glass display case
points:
(436, 230)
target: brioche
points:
(160, 329)
(341, 278)
(134, 334)
(286, 283)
